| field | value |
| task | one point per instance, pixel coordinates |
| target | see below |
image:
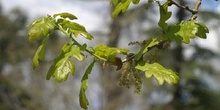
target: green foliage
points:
(145, 48)
(132, 65)
(74, 28)
(61, 66)
(82, 95)
(121, 6)
(106, 53)
(40, 53)
(159, 72)
(164, 15)
(65, 15)
(185, 31)
(41, 27)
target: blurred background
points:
(22, 88)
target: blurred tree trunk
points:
(178, 60)
(113, 93)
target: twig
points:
(183, 7)
(196, 8)
(193, 11)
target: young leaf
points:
(41, 27)
(82, 95)
(184, 31)
(171, 33)
(202, 30)
(114, 2)
(39, 54)
(164, 15)
(75, 29)
(159, 72)
(121, 7)
(135, 1)
(61, 66)
(108, 53)
(144, 49)
(65, 15)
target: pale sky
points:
(91, 13)
(88, 12)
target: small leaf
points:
(41, 27)
(202, 30)
(82, 95)
(114, 2)
(135, 1)
(159, 72)
(75, 29)
(185, 31)
(121, 7)
(65, 15)
(83, 47)
(164, 15)
(39, 54)
(171, 33)
(108, 53)
(144, 49)
(61, 66)
(75, 52)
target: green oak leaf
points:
(106, 53)
(114, 2)
(75, 29)
(152, 42)
(187, 30)
(82, 94)
(39, 54)
(171, 33)
(135, 1)
(41, 27)
(65, 15)
(159, 72)
(121, 7)
(184, 31)
(202, 30)
(164, 15)
(61, 66)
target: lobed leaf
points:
(39, 54)
(185, 31)
(106, 53)
(41, 27)
(114, 2)
(135, 1)
(121, 7)
(159, 72)
(145, 48)
(82, 94)
(75, 29)
(61, 66)
(202, 30)
(65, 15)
(164, 15)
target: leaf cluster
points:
(134, 63)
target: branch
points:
(193, 11)
(161, 45)
(183, 7)
(196, 8)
